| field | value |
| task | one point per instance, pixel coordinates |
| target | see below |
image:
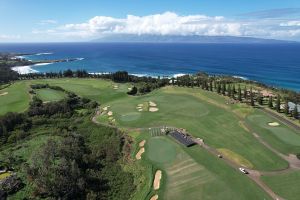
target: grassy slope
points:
(16, 100)
(285, 185)
(50, 95)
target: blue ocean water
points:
(274, 64)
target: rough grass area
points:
(16, 98)
(236, 158)
(4, 175)
(285, 185)
(48, 95)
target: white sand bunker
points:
(157, 178)
(138, 156)
(153, 109)
(273, 124)
(106, 108)
(4, 93)
(116, 87)
(110, 113)
(152, 104)
(142, 143)
(155, 197)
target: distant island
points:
(187, 39)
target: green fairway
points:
(14, 98)
(47, 94)
(192, 173)
(281, 137)
(285, 185)
(204, 116)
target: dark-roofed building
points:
(183, 138)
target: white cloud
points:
(4, 37)
(170, 23)
(47, 21)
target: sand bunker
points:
(152, 104)
(138, 156)
(157, 178)
(142, 143)
(153, 109)
(155, 197)
(116, 87)
(129, 88)
(140, 110)
(110, 113)
(4, 93)
(106, 108)
(141, 105)
(273, 124)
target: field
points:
(286, 185)
(14, 98)
(47, 95)
(188, 173)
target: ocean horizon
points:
(276, 65)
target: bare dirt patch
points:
(138, 156)
(142, 143)
(157, 178)
(273, 124)
(4, 93)
(155, 197)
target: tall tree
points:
(245, 93)
(224, 88)
(278, 103)
(296, 112)
(219, 88)
(270, 102)
(239, 93)
(286, 107)
(229, 90)
(260, 99)
(251, 97)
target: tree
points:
(224, 88)
(251, 97)
(133, 91)
(260, 99)
(286, 107)
(296, 112)
(229, 90)
(278, 103)
(219, 88)
(239, 93)
(245, 93)
(270, 102)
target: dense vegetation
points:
(79, 160)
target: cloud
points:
(273, 13)
(48, 21)
(172, 24)
(5, 37)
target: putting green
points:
(47, 94)
(281, 132)
(132, 116)
(159, 150)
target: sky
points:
(85, 20)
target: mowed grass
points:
(236, 158)
(96, 89)
(286, 185)
(47, 94)
(186, 176)
(281, 137)
(16, 98)
(201, 114)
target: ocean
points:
(273, 64)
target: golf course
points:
(186, 172)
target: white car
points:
(243, 171)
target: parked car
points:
(243, 170)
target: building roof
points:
(182, 138)
(292, 106)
